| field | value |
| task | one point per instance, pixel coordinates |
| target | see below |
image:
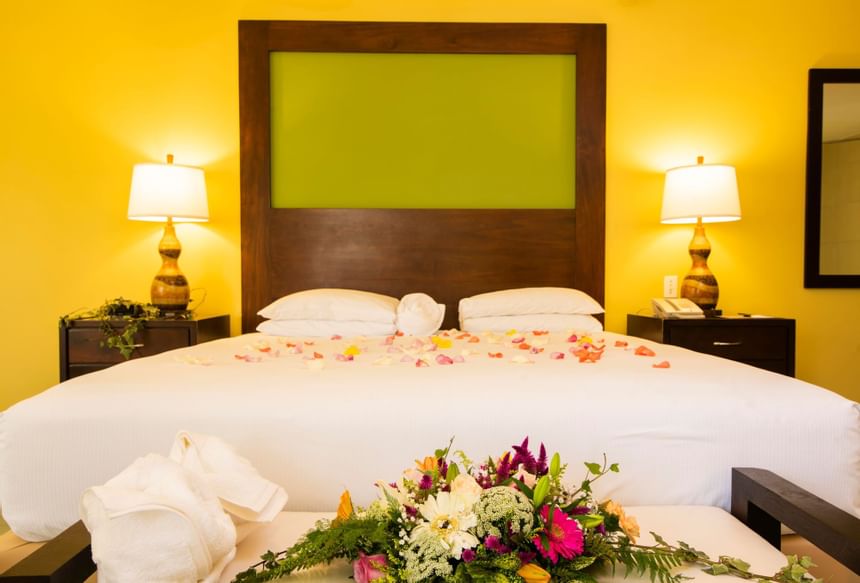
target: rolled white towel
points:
(419, 314)
(157, 522)
(244, 494)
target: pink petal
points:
(557, 356)
(444, 359)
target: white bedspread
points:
(676, 432)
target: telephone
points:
(676, 308)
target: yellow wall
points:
(88, 89)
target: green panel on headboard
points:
(371, 130)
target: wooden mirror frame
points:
(812, 276)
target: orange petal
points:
(533, 574)
(664, 364)
(620, 344)
(644, 351)
(344, 509)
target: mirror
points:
(832, 248)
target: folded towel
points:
(419, 314)
(157, 522)
(244, 494)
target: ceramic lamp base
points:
(170, 291)
(699, 285)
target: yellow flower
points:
(344, 509)
(533, 574)
(627, 523)
(629, 526)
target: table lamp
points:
(168, 192)
(704, 193)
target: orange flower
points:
(344, 509)
(428, 465)
(533, 574)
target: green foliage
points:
(657, 562)
(541, 490)
(321, 546)
(121, 321)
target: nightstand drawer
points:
(85, 344)
(736, 343)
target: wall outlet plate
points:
(670, 286)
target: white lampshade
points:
(159, 191)
(709, 191)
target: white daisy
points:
(447, 519)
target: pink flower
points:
(562, 537)
(369, 567)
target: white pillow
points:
(419, 315)
(529, 322)
(333, 304)
(325, 328)
(529, 300)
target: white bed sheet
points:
(676, 432)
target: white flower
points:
(413, 475)
(399, 493)
(467, 489)
(448, 520)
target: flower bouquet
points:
(508, 519)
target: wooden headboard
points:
(447, 253)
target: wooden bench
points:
(761, 500)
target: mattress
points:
(323, 415)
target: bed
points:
(352, 422)
(676, 431)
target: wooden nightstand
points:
(80, 350)
(767, 343)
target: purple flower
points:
(504, 469)
(426, 482)
(468, 555)
(577, 510)
(494, 544)
(527, 557)
(411, 511)
(524, 457)
(541, 462)
(443, 468)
